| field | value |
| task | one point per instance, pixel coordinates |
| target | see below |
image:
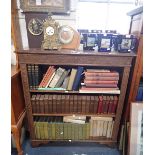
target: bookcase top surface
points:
(73, 52)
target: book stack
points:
(99, 80)
(61, 79)
(101, 127)
(54, 128)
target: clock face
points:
(35, 26)
(49, 30)
(66, 34)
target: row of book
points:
(33, 76)
(100, 80)
(72, 127)
(60, 78)
(74, 104)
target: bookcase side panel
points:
(27, 97)
(124, 83)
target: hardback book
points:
(79, 104)
(63, 100)
(69, 120)
(109, 129)
(105, 126)
(54, 101)
(29, 70)
(71, 79)
(115, 103)
(65, 83)
(100, 82)
(80, 132)
(84, 104)
(91, 106)
(53, 72)
(76, 128)
(101, 78)
(87, 104)
(98, 70)
(41, 103)
(111, 102)
(46, 135)
(33, 100)
(33, 76)
(100, 104)
(73, 131)
(85, 89)
(87, 130)
(106, 105)
(67, 103)
(101, 118)
(75, 104)
(96, 104)
(37, 104)
(75, 117)
(102, 85)
(61, 80)
(36, 74)
(58, 104)
(56, 77)
(65, 131)
(50, 104)
(69, 127)
(47, 76)
(77, 78)
(46, 105)
(71, 103)
(105, 74)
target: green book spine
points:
(69, 128)
(73, 131)
(46, 136)
(87, 130)
(84, 131)
(61, 129)
(80, 132)
(53, 126)
(76, 131)
(37, 130)
(42, 130)
(57, 130)
(65, 130)
(49, 131)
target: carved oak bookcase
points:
(74, 58)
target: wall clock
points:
(35, 26)
(51, 37)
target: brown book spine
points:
(71, 104)
(94, 78)
(115, 105)
(33, 100)
(107, 104)
(37, 104)
(54, 103)
(102, 85)
(103, 104)
(50, 104)
(79, 100)
(110, 104)
(58, 104)
(46, 105)
(107, 74)
(100, 104)
(96, 105)
(63, 99)
(87, 104)
(67, 104)
(91, 107)
(41, 102)
(83, 104)
(75, 104)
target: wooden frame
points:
(136, 129)
(54, 6)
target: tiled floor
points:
(68, 149)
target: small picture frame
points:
(54, 6)
(136, 129)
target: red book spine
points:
(100, 82)
(110, 105)
(106, 104)
(115, 105)
(100, 104)
(108, 74)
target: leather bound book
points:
(63, 99)
(56, 78)
(50, 104)
(76, 128)
(33, 100)
(33, 76)
(103, 104)
(58, 104)
(71, 79)
(77, 78)
(73, 131)
(75, 107)
(110, 104)
(100, 104)
(99, 82)
(36, 73)
(46, 135)
(54, 103)
(115, 103)
(87, 130)
(46, 104)
(106, 104)
(96, 104)
(65, 135)
(104, 74)
(29, 70)
(84, 104)
(79, 104)
(91, 107)
(101, 85)
(87, 104)
(67, 104)
(69, 132)
(41, 102)
(37, 104)
(102, 78)
(71, 104)
(53, 128)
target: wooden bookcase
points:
(74, 58)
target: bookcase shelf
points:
(74, 58)
(74, 92)
(75, 114)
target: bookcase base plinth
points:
(108, 142)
